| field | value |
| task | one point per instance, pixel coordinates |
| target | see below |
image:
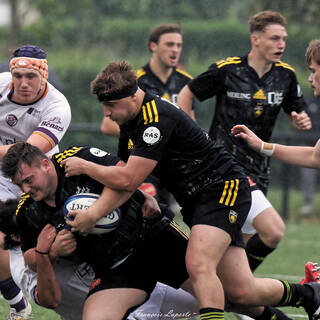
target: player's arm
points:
(110, 127)
(295, 155)
(35, 139)
(126, 177)
(48, 289)
(185, 99)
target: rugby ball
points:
(83, 201)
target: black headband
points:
(123, 93)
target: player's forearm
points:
(113, 177)
(296, 155)
(185, 98)
(49, 294)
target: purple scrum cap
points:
(30, 51)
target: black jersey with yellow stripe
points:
(188, 160)
(149, 82)
(244, 98)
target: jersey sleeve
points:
(294, 100)
(209, 83)
(153, 134)
(55, 120)
(98, 156)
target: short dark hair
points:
(8, 223)
(157, 32)
(114, 78)
(20, 152)
(313, 52)
(259, 21)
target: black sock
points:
(211, 313)
(295, 294)
(256, 251)
(271, 313)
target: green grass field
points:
(299, 245)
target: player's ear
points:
(152, 46)
(45, 163)
(254, 37)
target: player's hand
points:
(241, 131)
(83, 221)
(150, 208)
(301, 120)
(73, 166)
(64, 244)
(46, 238)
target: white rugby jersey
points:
(49, 117)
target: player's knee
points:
(195, 268)
(273, 238)
(238, 295)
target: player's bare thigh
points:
(112, 304)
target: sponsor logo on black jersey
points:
(11, 120)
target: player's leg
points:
(206, 247)
(241, 287)
(19, 306)
(266, 221)
(112, 304)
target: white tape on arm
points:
(267, 148)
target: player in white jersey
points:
(32, 110)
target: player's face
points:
(35, 181)
(168, 49)
(271, 43)
(27, 83)
(314, 78)
(121, 110)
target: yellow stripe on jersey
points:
(284, 65)
(230, 192)
(179, 229)
(235, 193)
(67, 153)
(46, 137)
(155, 111)
(184, 73)
(229, 60)
(150, 112)
(23, 198)
(140, 73)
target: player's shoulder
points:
(67, 153)
(284, 66)
(5, 79)
(183, 73)
(229, 62)
(156, 109)
(54, 95)
(24, 201)
(141, 72)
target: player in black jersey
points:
(206, 181)
(125, 277)
(251, 90)
(162, 77)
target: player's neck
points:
(260, 65)
(160, 70)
